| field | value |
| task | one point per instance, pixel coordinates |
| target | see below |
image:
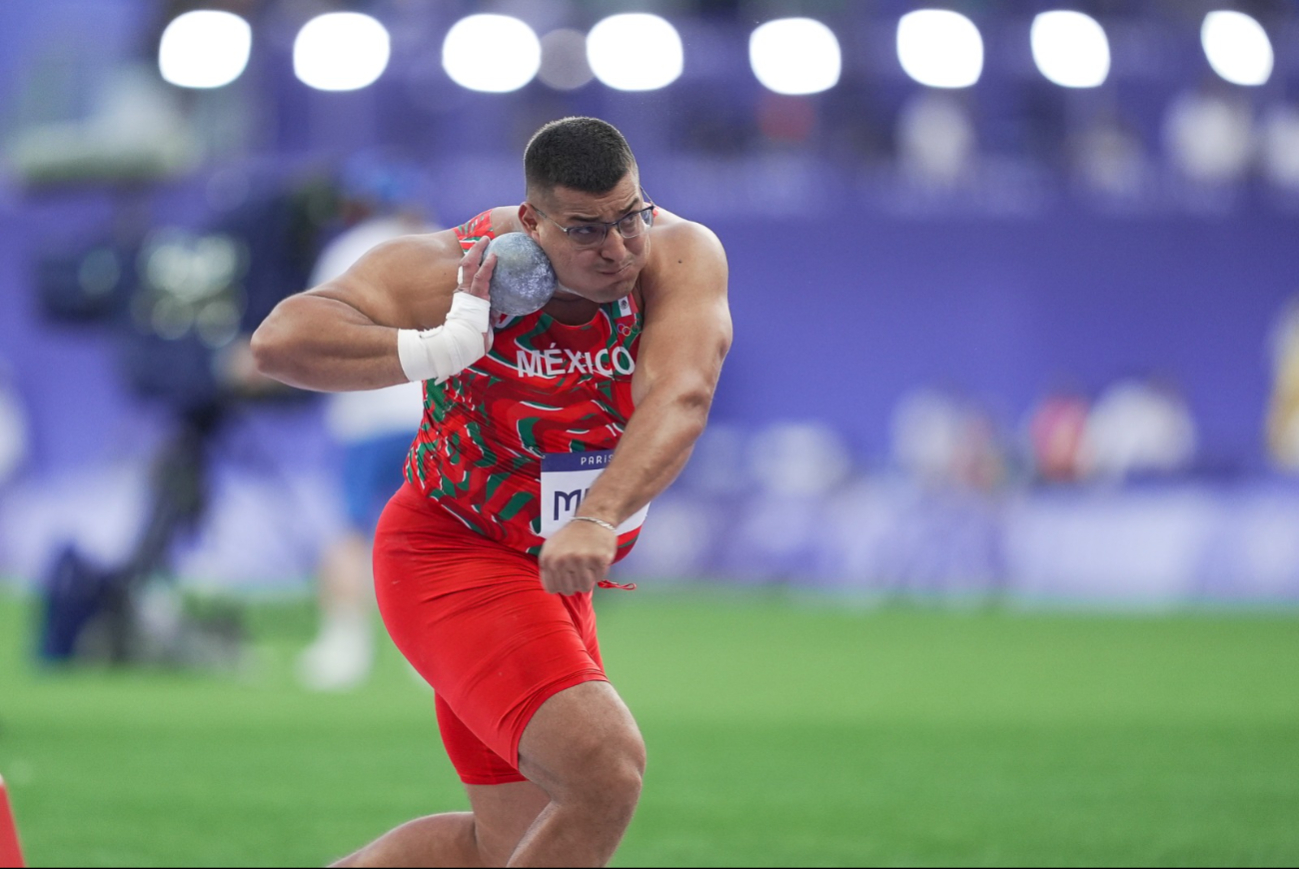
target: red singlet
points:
(547, 399)
(505, 453)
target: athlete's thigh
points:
(578, 736)
(502, 814)
(474, 620)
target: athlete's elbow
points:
(693, 403)
(684, 399)
(269, 347)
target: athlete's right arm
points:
(342, 335)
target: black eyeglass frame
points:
(645, 214)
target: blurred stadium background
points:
(990, 554)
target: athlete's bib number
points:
(565, 480)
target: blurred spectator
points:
(1283, 406)
(799, 458)
(13, 429)
(373, 430)
(982, 462)
(1055, 437)
(786, 120)
(797, 466)
(943, 440)
(1280, 146)
(926, 435)
(1209, 135)
(936, 139)
(1109, 159)
(1138, 427)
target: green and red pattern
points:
(544, 387)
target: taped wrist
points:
(436, 354)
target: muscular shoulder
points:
(684, 253)
(506, 219)
(676, 234)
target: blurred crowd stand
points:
(1282, 424)
(1090, 501)
(1101, 491)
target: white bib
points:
(565, 480)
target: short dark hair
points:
(584, 154)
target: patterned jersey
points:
(546, 394)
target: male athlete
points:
(544, 439)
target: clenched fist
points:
(577, 557)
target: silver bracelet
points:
(595, 521)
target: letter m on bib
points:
(566, 503)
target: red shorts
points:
(471, 616)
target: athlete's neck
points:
(571, 309)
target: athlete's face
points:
(602, 272)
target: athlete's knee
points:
(609, 776)
(622, 767)
(584, 749)
(622, 786)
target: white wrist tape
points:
(436, 354)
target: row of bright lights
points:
(341, 51)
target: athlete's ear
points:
(528, 217)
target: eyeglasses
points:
(589, 235)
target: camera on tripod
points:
(180, 304)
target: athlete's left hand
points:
(577, 557)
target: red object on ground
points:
(11, 856)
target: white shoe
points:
(340, 659)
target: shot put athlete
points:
(545, 436)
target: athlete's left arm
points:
(687, 333)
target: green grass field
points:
(780, 734)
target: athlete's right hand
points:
(474, 277)
(475, 274)
(576, 557)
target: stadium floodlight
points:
(940, 48)
(341, 51)
(1070, 49)
(795, 56)
(635, 52)
(1237, 47)
(204, 49)
(493, 54)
